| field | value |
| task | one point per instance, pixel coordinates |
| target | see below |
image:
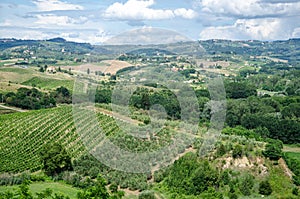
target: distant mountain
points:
(287, 49)
(58, 39)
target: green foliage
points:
(293, 164)
(23, 192)
(265, 188)
(232, 195)
(191, 176)
(237, 90)
(237, 151)
(221, 150)
(147, 195)
(113, 187)
(144, 98)
(55, 159)
(211, 193)
(295, 191)
(30, 99)
(98, 191)
(273, 151)
(284, 129)
(246, 184)
(62, 95)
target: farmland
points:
(140, 119)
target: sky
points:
(96, 21)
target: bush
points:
(147, 195)
(273, 151)
(295, 191)
(237, 151)
(232, 195)
(265, 188)
(246, 184)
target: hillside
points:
(214, 119)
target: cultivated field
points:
(107, 66)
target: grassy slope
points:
(57, 187)
(12, 78)
(49, 83)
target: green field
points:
(293, 155)
(15, 70)
(49, 83)
(57, 187)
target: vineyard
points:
(23, 135)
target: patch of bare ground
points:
(246, 163)
(130, 192)
(117, 116)
(107, 66)
(12, 108)
(285, 168)
(291, 149)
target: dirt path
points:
(12, 108)
(291, 149)
(118, 116)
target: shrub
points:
(147, 195)
(265, 188)
(237, 151)
(246, 184)
(295, 191)
(272, 151)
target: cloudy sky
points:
(95, 21)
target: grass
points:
(15, 70)
(57, 187)
(293, 155)
(48, 83)
(279, 181)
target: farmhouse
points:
(51, 69)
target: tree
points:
(273, 151)
(265, 188)
(41, 69)
(55, 159)
(237, 90)
(246, 184)
(98, 191)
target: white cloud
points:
(140, 10)
(251, 19)
(260, 29)
(50, 19)
(147, 35)
(51, 5)
(95, 36)
(249, 8)
(185, 13)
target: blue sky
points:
(95, 21)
